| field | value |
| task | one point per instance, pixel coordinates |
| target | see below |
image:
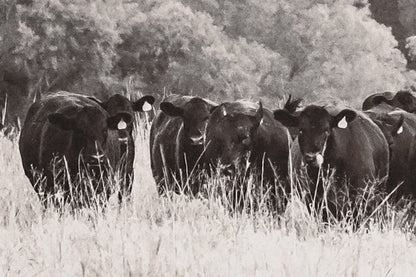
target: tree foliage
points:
(220, 49)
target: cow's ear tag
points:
(319, 160)
(343, 123)
(400, 130)
(146, 106)
(224, 112)
(122, 125)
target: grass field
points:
(180, 236)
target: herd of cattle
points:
(191, 134)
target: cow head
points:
(315, 127)
(195, 114)
(89, 127)
(390, 125)
(231, 135)
(403, 99)
(118, 103)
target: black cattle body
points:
(410, 181)
(244, 131)
(404, 99)
(375, 99)
(292, 106)
(401, 129)
(176, 141)
(333, 135)
(69, 125)
(121, 139)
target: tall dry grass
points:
(186, 236)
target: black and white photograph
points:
(207, 138)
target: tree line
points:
(219, 49)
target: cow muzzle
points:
(96, 159)
(315, 159)
(197, 140)
(124, 140)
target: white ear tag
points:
(343, 123)
(261, 121)
(224, 112)
(122, 125)
(400, 130)
(146, 106)
(319, 160)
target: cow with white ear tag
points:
(333, 135)
(122, 138)
(399, 128)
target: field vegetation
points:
(219, 49)
(193, 236)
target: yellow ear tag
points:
(400, 130)
(122, 125)
(343, 123)
(146, 106)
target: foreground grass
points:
(153, 236)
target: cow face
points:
(89, 128)
(404, 100)
(231, 136)
(118, 103)
(315, 126)
(195, 116)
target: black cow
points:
(240, 130)
(369, 102)
(410, 181)
(333, 135)
(404, 99)
(176, 140)
(384, 114)
(121, 140)
(69, 125)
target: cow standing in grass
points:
(383, 111)
(243, 137)
(177, 141)
(121, 141)
(335, 136)
(399, 127)
(74, 130)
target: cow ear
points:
(377, 100)
(120, 121)
(342, 119)
(292, 106)
(98, 101)
(144, 104)
(62, 121)
(170, 109)
(286, 118)
(397, 127)
(404, 97)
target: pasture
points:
(185, 236)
